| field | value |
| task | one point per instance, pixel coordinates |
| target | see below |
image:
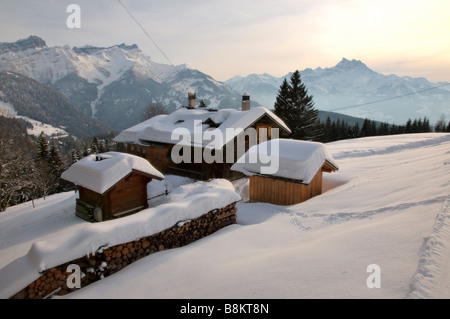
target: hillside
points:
(388, 205)
(352, 88)
(27, 97)
(112, 84)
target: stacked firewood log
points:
(108, 260)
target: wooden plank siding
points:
(283, 192)
(128, 195)
(159, 155)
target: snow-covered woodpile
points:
(107, 261)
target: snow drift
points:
(64, 246)
(387, 205)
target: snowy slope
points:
(7, 110)
(387, 205)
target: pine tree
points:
(101, 146)
(294, 106)
(420, 125)
(327, 137)
(95, 146)
(365, 129)
(16, 170)
(355, 131)
(73, 156)
(107, 145)
(78, 152)
(408, 127)
(55, 160)
(43, 151)
(440, 124)
(283, 107)
(426, 125)
(87, 151)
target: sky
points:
(224, 38)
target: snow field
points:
(387, 205)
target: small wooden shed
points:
(111, 185)
(285, 171)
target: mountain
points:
(354, 89)
(24, 96)
(112, 84)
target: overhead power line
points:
(146, 33)
(176, 71)
(388, 99)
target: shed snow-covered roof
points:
(195, 126)
(286, 158)
(100, 172)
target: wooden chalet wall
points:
(128, 196)
(159, 154)
(282, 191)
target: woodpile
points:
(107, 261)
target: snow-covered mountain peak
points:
(113, 84)
(345, 64)
(352, 88)
(32, 42)
(89, 49)
(98, 65)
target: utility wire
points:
(388, 99)
(145, 32)
(176, 70)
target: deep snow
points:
(100, 172)
(387, 205)
(288, 158)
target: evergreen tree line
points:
(338, 130)
(296, 108)
(31, 167)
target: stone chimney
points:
(245, 102)
(191, 98)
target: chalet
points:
(295, 173)
(201, 143)
(111, 185)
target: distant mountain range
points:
(112, 86)
(352, 88)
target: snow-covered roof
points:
(100, 172)
(196, 125)
(285, 158)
